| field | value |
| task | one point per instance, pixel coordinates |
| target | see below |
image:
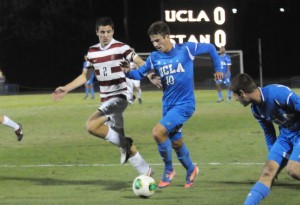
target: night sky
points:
(42, 42)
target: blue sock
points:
(92, 92)
(183, 156)
(220, 94)
(86, 92)
(165, 151)
(258, 192)
(229, 94)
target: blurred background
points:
(42, 42)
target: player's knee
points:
(89, 127)
(293, 171)
(177, 144)
(158, 134)
(293, 174)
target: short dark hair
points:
(104, 21)
(159, 27)
(242, 82)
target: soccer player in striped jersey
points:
(174, 64)
(5, 120)
(107, 122)
(272, 104)
(226, 64)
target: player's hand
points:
(154, 79)
(125, 66)
(218, 75)
(59, 93)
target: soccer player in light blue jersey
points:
(226, 64)
(174, 64)
(272, 104)
(89, 85)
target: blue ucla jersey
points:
(280, 105)
(225, 61)
(84, 64)
(90, 81)
(175, 69)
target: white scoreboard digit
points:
(206, 21)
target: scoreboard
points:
(205, 21)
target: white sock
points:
(139, 93)
(10, 123)
(113, 137)
(140, 165)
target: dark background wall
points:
(279, 34)
(42, 42)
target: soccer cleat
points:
(126, 150)
(19, 133)
(191, 178)
(150, 172)
(131, 101)
(220, 100)
(140, 101)
(166, 180)
(229, 99)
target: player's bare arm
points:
(138, 61)
(125, 66)
(61, 91)
(154, 79)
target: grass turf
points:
(58, 162)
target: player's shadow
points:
(106, 184)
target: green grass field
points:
(59, 163)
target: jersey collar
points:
(108, 45)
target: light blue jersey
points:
(225, 62)
(280, 105)
(90, 81)
(175, 69)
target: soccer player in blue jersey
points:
(272, 104)
(89, 85)
(226, 64)
(174, 64)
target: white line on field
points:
(114, 165)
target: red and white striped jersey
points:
(106, 62)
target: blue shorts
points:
(287, 146)
(226, 81)
(173, 119)
(89, 82)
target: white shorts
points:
(136, 83)
(129, 93)
(114, 109)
